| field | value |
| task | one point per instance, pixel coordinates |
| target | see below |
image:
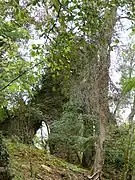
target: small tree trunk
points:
(69, 154)
(128, 152)
(99, 152)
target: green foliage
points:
(129, 85)
(3, 114)
(69, 129)
(115, 150)
(59, 25)
(17, 75)
(28, 112)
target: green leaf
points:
(129, 85)
(33, 53)
(133, 46)
(70, 18)
(13, 87)
(53, 88)
(56, 5)
(117, 41)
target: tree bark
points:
(103, 84)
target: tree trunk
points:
(103, 84)
(128, 152)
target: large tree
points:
(77, 40)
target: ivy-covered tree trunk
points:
(103, 84)
(4, 162)
(82, 92)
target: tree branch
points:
(21, 74)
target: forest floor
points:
(30, 163)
